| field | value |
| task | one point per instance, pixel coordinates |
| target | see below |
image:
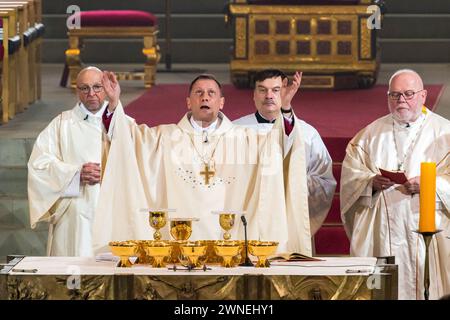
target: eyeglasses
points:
(408, 95)
(86, 89)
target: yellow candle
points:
(427, 197)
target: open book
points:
(395, 176)
(292, 256)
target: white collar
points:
(198, 128)
(98, 114)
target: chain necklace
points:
(408, 151)
(208, 171)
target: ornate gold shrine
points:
(82, 279)
(331, 44)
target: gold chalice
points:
(159, 251)
(157, 219)
(124, 250)
(227, 250)
(193, 251)
(227, 220)
(262, 249)
(181, 228)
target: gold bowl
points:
(159, 251)
(124, 250)
(262, 249)
(228, 250)
(192, 251)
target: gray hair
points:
(401, 71)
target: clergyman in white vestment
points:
(380, 216)
(203, 164)
(64, 169)
(319, 166)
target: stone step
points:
(415, 50)
(14, 214)
(218, 50)
(130, 50)
(415, 26)
(15, 152)
(13, 181)
(23, 241)
(417, 6)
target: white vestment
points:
(383, 223)
(319, 169)
(70, 140)
(159, 168)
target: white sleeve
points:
(73, 189)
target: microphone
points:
(407, 125)
(205, 133)
(247, 262)
(85, 118)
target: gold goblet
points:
(181, 228)
(124, 250)
(159, 251)
(227, 250)
(227, 221)
(262, 249)
(193, 251)
(157, 219)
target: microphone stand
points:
(247, 262)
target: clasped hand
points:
(411, 186)
(90, 173)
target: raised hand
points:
(112, 89)
(90, 173)
(288, 91)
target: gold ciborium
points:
(192, 251)
(228, 250)
(124, 250)
(157, 219)
(181, 228)
(262, 249)
(159, 251)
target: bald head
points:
(90, 88)
(406, 95)
(411, 74)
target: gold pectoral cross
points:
(207, 173)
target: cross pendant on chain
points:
(207, 173)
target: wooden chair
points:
(114, 24)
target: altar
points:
(68, 278)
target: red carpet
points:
(332, 113)
(337, 115)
